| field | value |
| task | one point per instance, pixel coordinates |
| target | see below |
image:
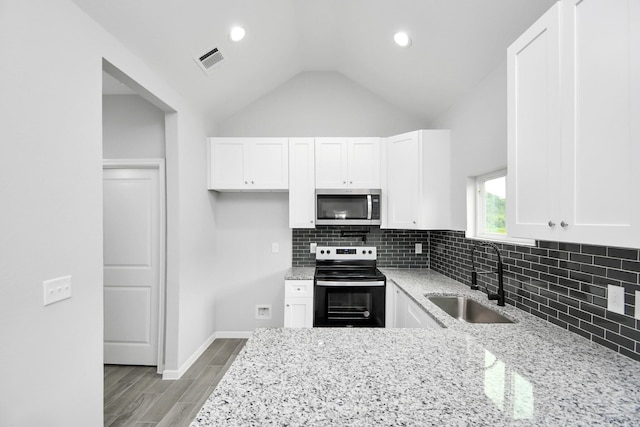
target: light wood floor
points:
(137, 396)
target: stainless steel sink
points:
(467, 309)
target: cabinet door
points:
(401, 300)
(227, 163)
(298, 313)
(363, 162)
(417, 318)
(302, 183)
(601, 122)
(390, 305)
(534, 133)
(268, 164)
(403, 181)
(331, 163)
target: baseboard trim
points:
(176, 374)
(173, 374)
(234, 334)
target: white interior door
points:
(132, 260)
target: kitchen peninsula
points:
(526, 373)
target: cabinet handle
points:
(311, 222)
(414, 222)
(288, 305)
(564, 224)
(252, 182)
(344, 182)
(551, 224)
(350, 182)
(246, 182)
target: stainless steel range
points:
(349, 290)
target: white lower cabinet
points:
(406, 313)
(298, 303)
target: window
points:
(491, 204)
(487, 208)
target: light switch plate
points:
(615, 299)
(275, 248)
(312, 247)
(418, 248)
(637, 305)
(56, 289)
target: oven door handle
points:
(327, 283)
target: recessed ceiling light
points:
(237, 34)
(402, 39)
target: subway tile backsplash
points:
(562, 283)
(395, 247)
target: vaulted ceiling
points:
(455, 44)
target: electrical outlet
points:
(263, 312)
(418, 248)
(275, 248)
(56, 289)
(615, 299)
(312, 247)
(637, 305)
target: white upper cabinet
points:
(248, 164)
(534, 127)
(301, 183)
(347, 163)
(416, 185)
(574, 125)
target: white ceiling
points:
(456, 43)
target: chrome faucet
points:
(500, 271)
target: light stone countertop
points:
(523, 374)
(300, 273)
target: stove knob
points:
(366, 314)
(328, 251)
(364, 252)
(370, 252)
(322, 251)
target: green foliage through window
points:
(495, 220)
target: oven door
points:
(349, 304)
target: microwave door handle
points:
(369, 206)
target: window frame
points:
(476, 194)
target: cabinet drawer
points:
(298, 288)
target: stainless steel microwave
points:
(348, 207)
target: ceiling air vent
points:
(209, 60)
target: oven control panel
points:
(346, 253)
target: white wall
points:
(319, 104)
(478, 124)
(51, 213)
(310, 104)
(247, 272)
(50, 166)
(132, 128)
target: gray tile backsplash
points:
(395, 247)
(562, 283)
